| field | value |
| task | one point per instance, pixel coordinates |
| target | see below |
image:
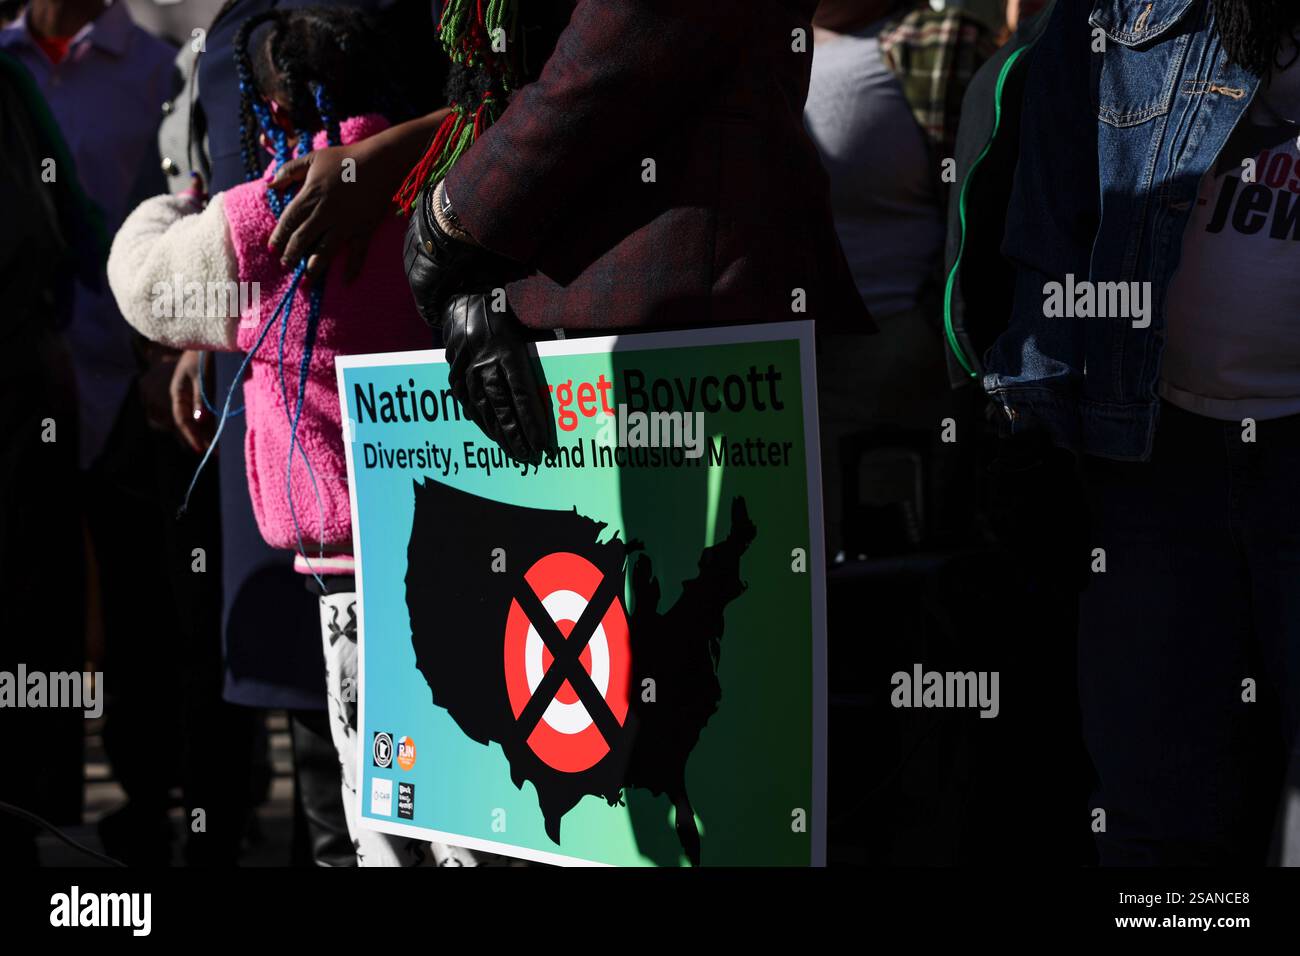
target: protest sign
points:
(617, 656)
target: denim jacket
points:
(1113, 148)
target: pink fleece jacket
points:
(375, 313)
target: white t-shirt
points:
(883, 198)
(1233, 330)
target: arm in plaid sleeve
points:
(622, 71)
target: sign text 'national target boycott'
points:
(755, 390)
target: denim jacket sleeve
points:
(1053, 214)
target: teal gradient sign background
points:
(758, 767)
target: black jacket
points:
(978, 291)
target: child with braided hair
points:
(315, 77)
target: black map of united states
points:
(459, 605)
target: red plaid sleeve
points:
(621, 73)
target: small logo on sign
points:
(406, 753)
(383, 750)
(406, 801)
(381, 798)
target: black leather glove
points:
(438, 265)
(493, 376)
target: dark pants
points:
(166, 724)
(320, 833)
(1201, 593)
(43, 572)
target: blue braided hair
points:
(302, 48)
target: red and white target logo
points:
(567, 661)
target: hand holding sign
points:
(495, 378)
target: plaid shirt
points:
(934, 54)
(736, 217)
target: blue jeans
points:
(1201, 592)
